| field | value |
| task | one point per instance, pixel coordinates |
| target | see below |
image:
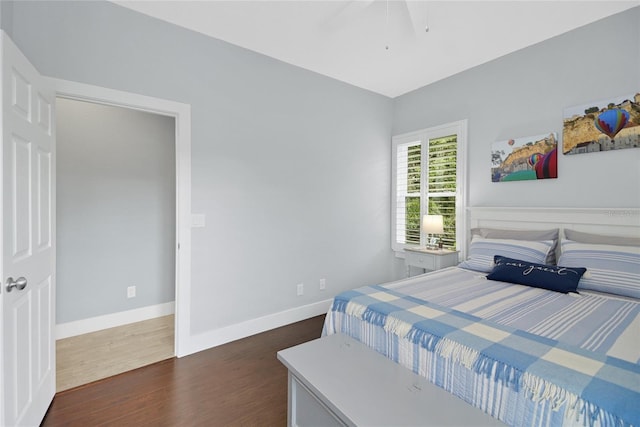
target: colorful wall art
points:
(612, 124)
(534, 157)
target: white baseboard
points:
(230, 333)
(98, 323)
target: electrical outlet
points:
(131, 292)
(323, 284)
(300, 289)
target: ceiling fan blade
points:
(417, 11)
(352, 10)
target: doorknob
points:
(19, 284)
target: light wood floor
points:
(86, 358)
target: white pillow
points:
(482, 251)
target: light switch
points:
(198, 220)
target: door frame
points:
(182, 115)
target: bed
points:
(537, 351)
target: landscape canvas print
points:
(528, 158)
(606, 125)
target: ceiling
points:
(381, 45)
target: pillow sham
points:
(613, 269)
(482, 251)
(552, 277)
(531, 235)
(600, 239)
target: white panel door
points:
(28, 250)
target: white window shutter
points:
(426, 179)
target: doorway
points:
(181, 113)
(116, 243)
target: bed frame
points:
(614, 221)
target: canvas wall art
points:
(606, 125)
(520, 159)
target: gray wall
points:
(6, 16)
(115, 209)
(291, 169)
(524, 94)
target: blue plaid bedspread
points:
(602, 389)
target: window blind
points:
(408, 179)
(425, 176)
(441, 192)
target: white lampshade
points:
(432, 224)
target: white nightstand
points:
(429, 259)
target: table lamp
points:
(432, 225)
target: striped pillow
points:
(514, 234)
(612, 269)
(482, 251)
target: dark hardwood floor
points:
(237, 384)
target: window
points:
(427, 179)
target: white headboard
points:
(617, 222)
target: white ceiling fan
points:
(389, 16)
(346, 39)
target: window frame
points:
(459, 128)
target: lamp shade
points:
(432, 224)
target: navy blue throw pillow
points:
(551, 277)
